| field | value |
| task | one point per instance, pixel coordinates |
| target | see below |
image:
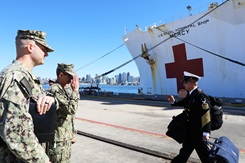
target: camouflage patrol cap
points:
(35, 35)
(68, 68)
(51, 80)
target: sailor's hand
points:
(170, 98)
(75, 83)
(44, 103)
(205, 137)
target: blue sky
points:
(83, 31)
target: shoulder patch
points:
(26, 85)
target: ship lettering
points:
(203, 22)
(182, 30)
(180, 33)
(185, 27)
(166, 33)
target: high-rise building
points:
(124, 77)
(119, 79)
(88, 78)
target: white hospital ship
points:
(210, 44)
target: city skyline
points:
(123, 77)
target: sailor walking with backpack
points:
(198, 125)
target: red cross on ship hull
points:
(181, 64)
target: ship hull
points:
(210, 45)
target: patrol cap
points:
(51, 80)
(35, 35)
(68, 68)
(189, 76)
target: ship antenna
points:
(189, 9)
(125, 30)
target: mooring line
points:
(127, 146)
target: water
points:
(45, 86)
(111, 88)
(120, 88)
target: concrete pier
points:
(141, 123)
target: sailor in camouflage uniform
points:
(18, 85)
(74, 135)
(67, 96)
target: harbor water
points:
(119, 88)
(112, 88)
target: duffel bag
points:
(222, 150)
(177, 127)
